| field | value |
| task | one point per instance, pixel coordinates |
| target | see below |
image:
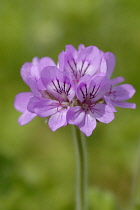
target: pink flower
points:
(89, 106)
(78, 91)
(86, 61)
(30, 73)
(56, 98)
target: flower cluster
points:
(78, 90)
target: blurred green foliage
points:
(99, 199)
(37, 166)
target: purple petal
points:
(34, 88)
(58, 83)
(45, 107)
(85, 79)
(124, 104)
(99, 86)
(26, 72)
(122, 92)
(71, 52)
(58, 120)
(37, 88)
(89, 124)
(117, 80)
(38, 65)
(35, 72)
(61, 61)
(44, 62)
(81, 47)
(22, 100)
(49, 74)
(103, 113)
(82, 89)
(103, 66)
(109, 103)
(68, 59)
(110, 61)
(88, 60)
(35, 60)
(26, 117)
(75, 115)
(32, 102)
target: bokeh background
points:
(37, 166)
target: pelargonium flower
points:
(30, 73)
(85, 61)
(90, 105)
(56, 98)
(79, 90)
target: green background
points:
(37, 166)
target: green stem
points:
(81, 188)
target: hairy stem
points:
(81, 187)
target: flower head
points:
(31, 75)
(78, 91)
(55, 100)
(90, 105)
